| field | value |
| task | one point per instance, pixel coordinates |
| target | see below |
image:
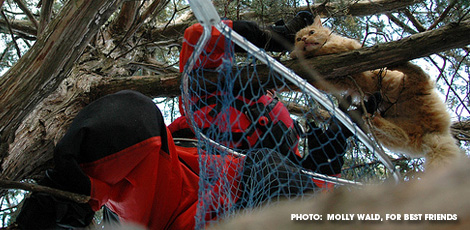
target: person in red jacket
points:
(119, 152)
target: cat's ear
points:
(317, 21)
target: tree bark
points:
(39, 72)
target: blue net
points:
(262, 138)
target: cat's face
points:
(310, 39)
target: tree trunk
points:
(39, 72)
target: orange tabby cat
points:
(411, 118)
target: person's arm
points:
(278, 37)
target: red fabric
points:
(149, 187)
(234, 120)
(215, 47)
(181, 123)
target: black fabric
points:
(44, 211)
(106, 126)
(266, 174)
(265, 39)
(326, 148)
(282, 138)
(184, 133)
(278, 37)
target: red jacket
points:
(145, 185)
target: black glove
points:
(326, 148)
(288, 30)
(267, 174)
(44, 211)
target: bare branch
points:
(400, 23)
(158, 86)
(46, 15)
(126, 17)
(461, 130)
(28, 13)
(18, 51)
(22, 27)
(136, 24)
(413, 20)
(443, 15)
(79, 198)
(360, 8)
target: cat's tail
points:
(413, 72)
(443, 150)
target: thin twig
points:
(457, 95)
(28, 13)
(443, 15)
(79, 198)
(399, 23)
(18, 51)
(413, 20)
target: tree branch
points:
(388, 54)
(167, 85)
(46, 14)
(360, 8)
(443, 15)
(414, 21)
(137, 23)
(18, 51)
(333, 65)
(79, 198)
(400, 23)
(126, 17)
(28, 13)
(19, 27)
(461, 130)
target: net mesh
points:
(262, 139)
